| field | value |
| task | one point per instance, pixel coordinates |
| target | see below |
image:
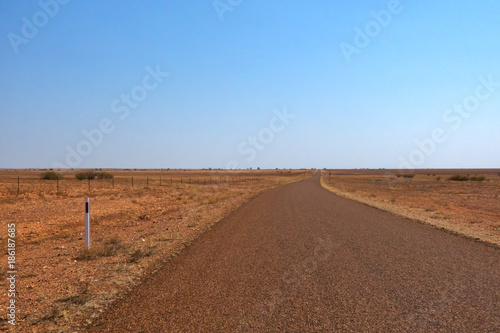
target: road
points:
(298, 258)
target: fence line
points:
(20, 184)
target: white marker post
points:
(87, 223)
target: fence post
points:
(113, 181)
(57, 180)
(87, 222)
(132, 181)
(160, 180)
(147, 181)
(18, 185)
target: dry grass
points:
(139, 254)
(468, 205)
(107, 248)
(133, 230)
(82, 296)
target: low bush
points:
(141, 253)
(105, 175)
(51, 175)
(81, 297)
(459, 178)
(81, 176)
(91, 174)
(109, 248)
(85, 254)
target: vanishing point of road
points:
(298, 258)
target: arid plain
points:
(139, 219)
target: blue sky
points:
(233, 68)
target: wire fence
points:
(19, 184)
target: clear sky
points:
(287, 84)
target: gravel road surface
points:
(298, 258)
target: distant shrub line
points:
(460, 178)
(406, 176)
(52, 175)
(93, 175)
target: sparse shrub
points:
(438, 178)
(105, 175)
(86, 254)
(141, 253)
(51, 175)
(52, 315)
(91, 174)
(80, 298)
(459, 178)
(477, 179)
(404, 176)
(81, 176)
(110, 247)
